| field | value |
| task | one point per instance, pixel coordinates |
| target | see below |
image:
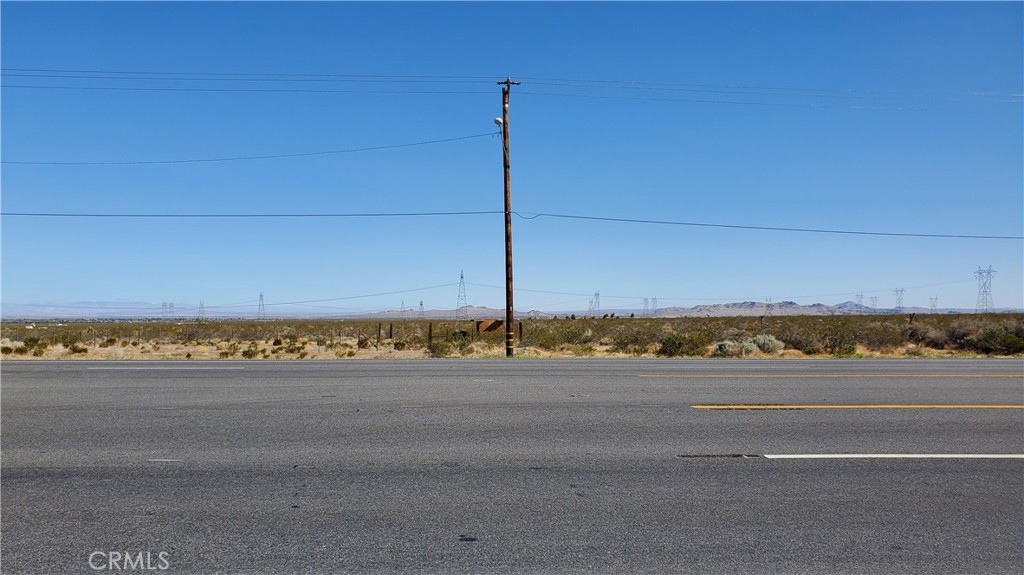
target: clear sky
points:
(874, 117)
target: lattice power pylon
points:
(898, 292)
(984, 290)
(461, 307)
(261, 312)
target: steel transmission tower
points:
(654, 307)
(860, 299)
(984, 304)
(460, 307)
(898, 292)
(874, 301)
(647, 306)
(595, 305)
(768, 307)
(201, 314)
(261, 313)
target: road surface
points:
(449, 466)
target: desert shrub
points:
(684, 344)
(880, 336)
(962, 331)
(22, 349)
(399, 345)
(110, 341)
(31, 342)
(839, 339)
(929, 336)
(726, 349)
(767, 343)
(734, 349)
(277, 342)
(634, 339)
(303, 355)
(363, 342)
(553, 335)
(583, 349)
(439, 348)
(6, 349)
(801, 338)
(250, 352)
(75, 348)
(66, 338)
(997, 339)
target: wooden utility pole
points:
(509, 332)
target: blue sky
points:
(875, 117)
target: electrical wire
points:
(757, 89)
(769, 228)
(362, 80)
(524, 217)
(248, 158)
(235, 216)
(726, 102)
(243, 75)
(245, 90)
(766, 90)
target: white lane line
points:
(158, 368)
(895, 456)
(164, 460)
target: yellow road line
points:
(882, 406)
(826, 375)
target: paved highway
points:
(519, 466)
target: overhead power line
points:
(240, 90)
(726, 102)
(247, 158)
(245, 75)
(237, 215)
(494, 212)
(761, 89)
(769, 228)
(607, 84)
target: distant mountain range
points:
(109, 311)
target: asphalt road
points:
(512, 467)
